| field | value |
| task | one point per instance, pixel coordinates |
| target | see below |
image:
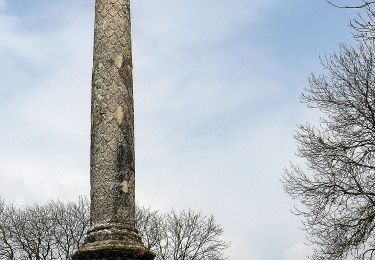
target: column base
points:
(114, 243)
(112, 250)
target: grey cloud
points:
(213, 117)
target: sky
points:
(216, 89)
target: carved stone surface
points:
(112, 130)
(112, 140)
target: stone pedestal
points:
(112, 161)
(113, 243)
(113, 251)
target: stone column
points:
(112, 234)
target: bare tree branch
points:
(337, 186)
(353, 6)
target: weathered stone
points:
(112, 234)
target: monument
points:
(112, 234)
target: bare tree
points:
(34, 229)
(48, 232)
(7, 245)
(186, 235)
(25, 239)
(55, 231)
(149, 224)
(71, 222)
(196, 236)
(364, 24)
(337, 188)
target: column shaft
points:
(112, 172)
(112, 130)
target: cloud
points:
(34, 179)
(3, 5)
(205, 130)
(297, 252)
(46, 101)
(215, 113)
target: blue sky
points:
(217, 86)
